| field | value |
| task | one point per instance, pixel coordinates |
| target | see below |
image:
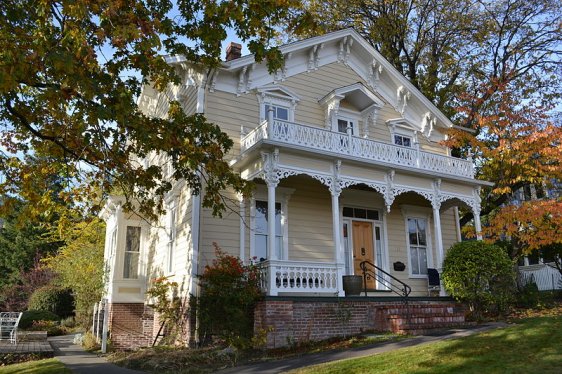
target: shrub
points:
(30, 316)
(51, 327)
(89, 342)
(54, 299)
(480, 274)
(528, 294)
(68, 322)
(168, 306)
(229, 291)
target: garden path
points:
(81, 362)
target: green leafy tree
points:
(69, 79)
(79, 265)
(21, 243)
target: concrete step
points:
(32, 336)
(433, 329)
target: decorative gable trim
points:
(342, 91)
(331, 103)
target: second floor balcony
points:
(314, 139)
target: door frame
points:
(381, 224)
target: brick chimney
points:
(233, 51)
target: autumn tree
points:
(79, 265)
(70, 73)
(492, 66)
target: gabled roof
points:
(352, 42)
(346, 46)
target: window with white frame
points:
(132, 252)
(345, 123)
(403, 133)
(417, 245)
(280, 99)
(172, 210)
(279, 112)
(402, 140)
(261, 232)
(346, 119)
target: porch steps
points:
(419, 319)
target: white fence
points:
(545, 276)
(9, 322)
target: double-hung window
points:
(132, 252)
(261, 232)
(417, 243)
(279, 112)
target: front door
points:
(363, 248)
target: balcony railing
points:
(318, 139)
(298, 277)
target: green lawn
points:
(533, 345)
(48, 366)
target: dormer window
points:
(345, 119)
(280, 99)
(403, 133)
(364, 103)
(404, 141)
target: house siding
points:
(183, 246)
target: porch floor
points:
(26, 347)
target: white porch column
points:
(476, 212)
(439, 247)
(477, 225)
(438, 237)
(335, 191)
(272, 180)
(271, 252)
(338, 249)
(338, 255)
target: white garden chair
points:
(9, 322)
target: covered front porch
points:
(310, 222)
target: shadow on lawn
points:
(531, 346)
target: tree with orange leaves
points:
(493, 66)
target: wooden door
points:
(363, 248)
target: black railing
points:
(372, 271)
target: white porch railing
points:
(299, 277)
(315, 138)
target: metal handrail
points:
(403, 291)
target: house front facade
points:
(349, 169)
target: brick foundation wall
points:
(135, 325)
(297, 321)
(131, 325)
